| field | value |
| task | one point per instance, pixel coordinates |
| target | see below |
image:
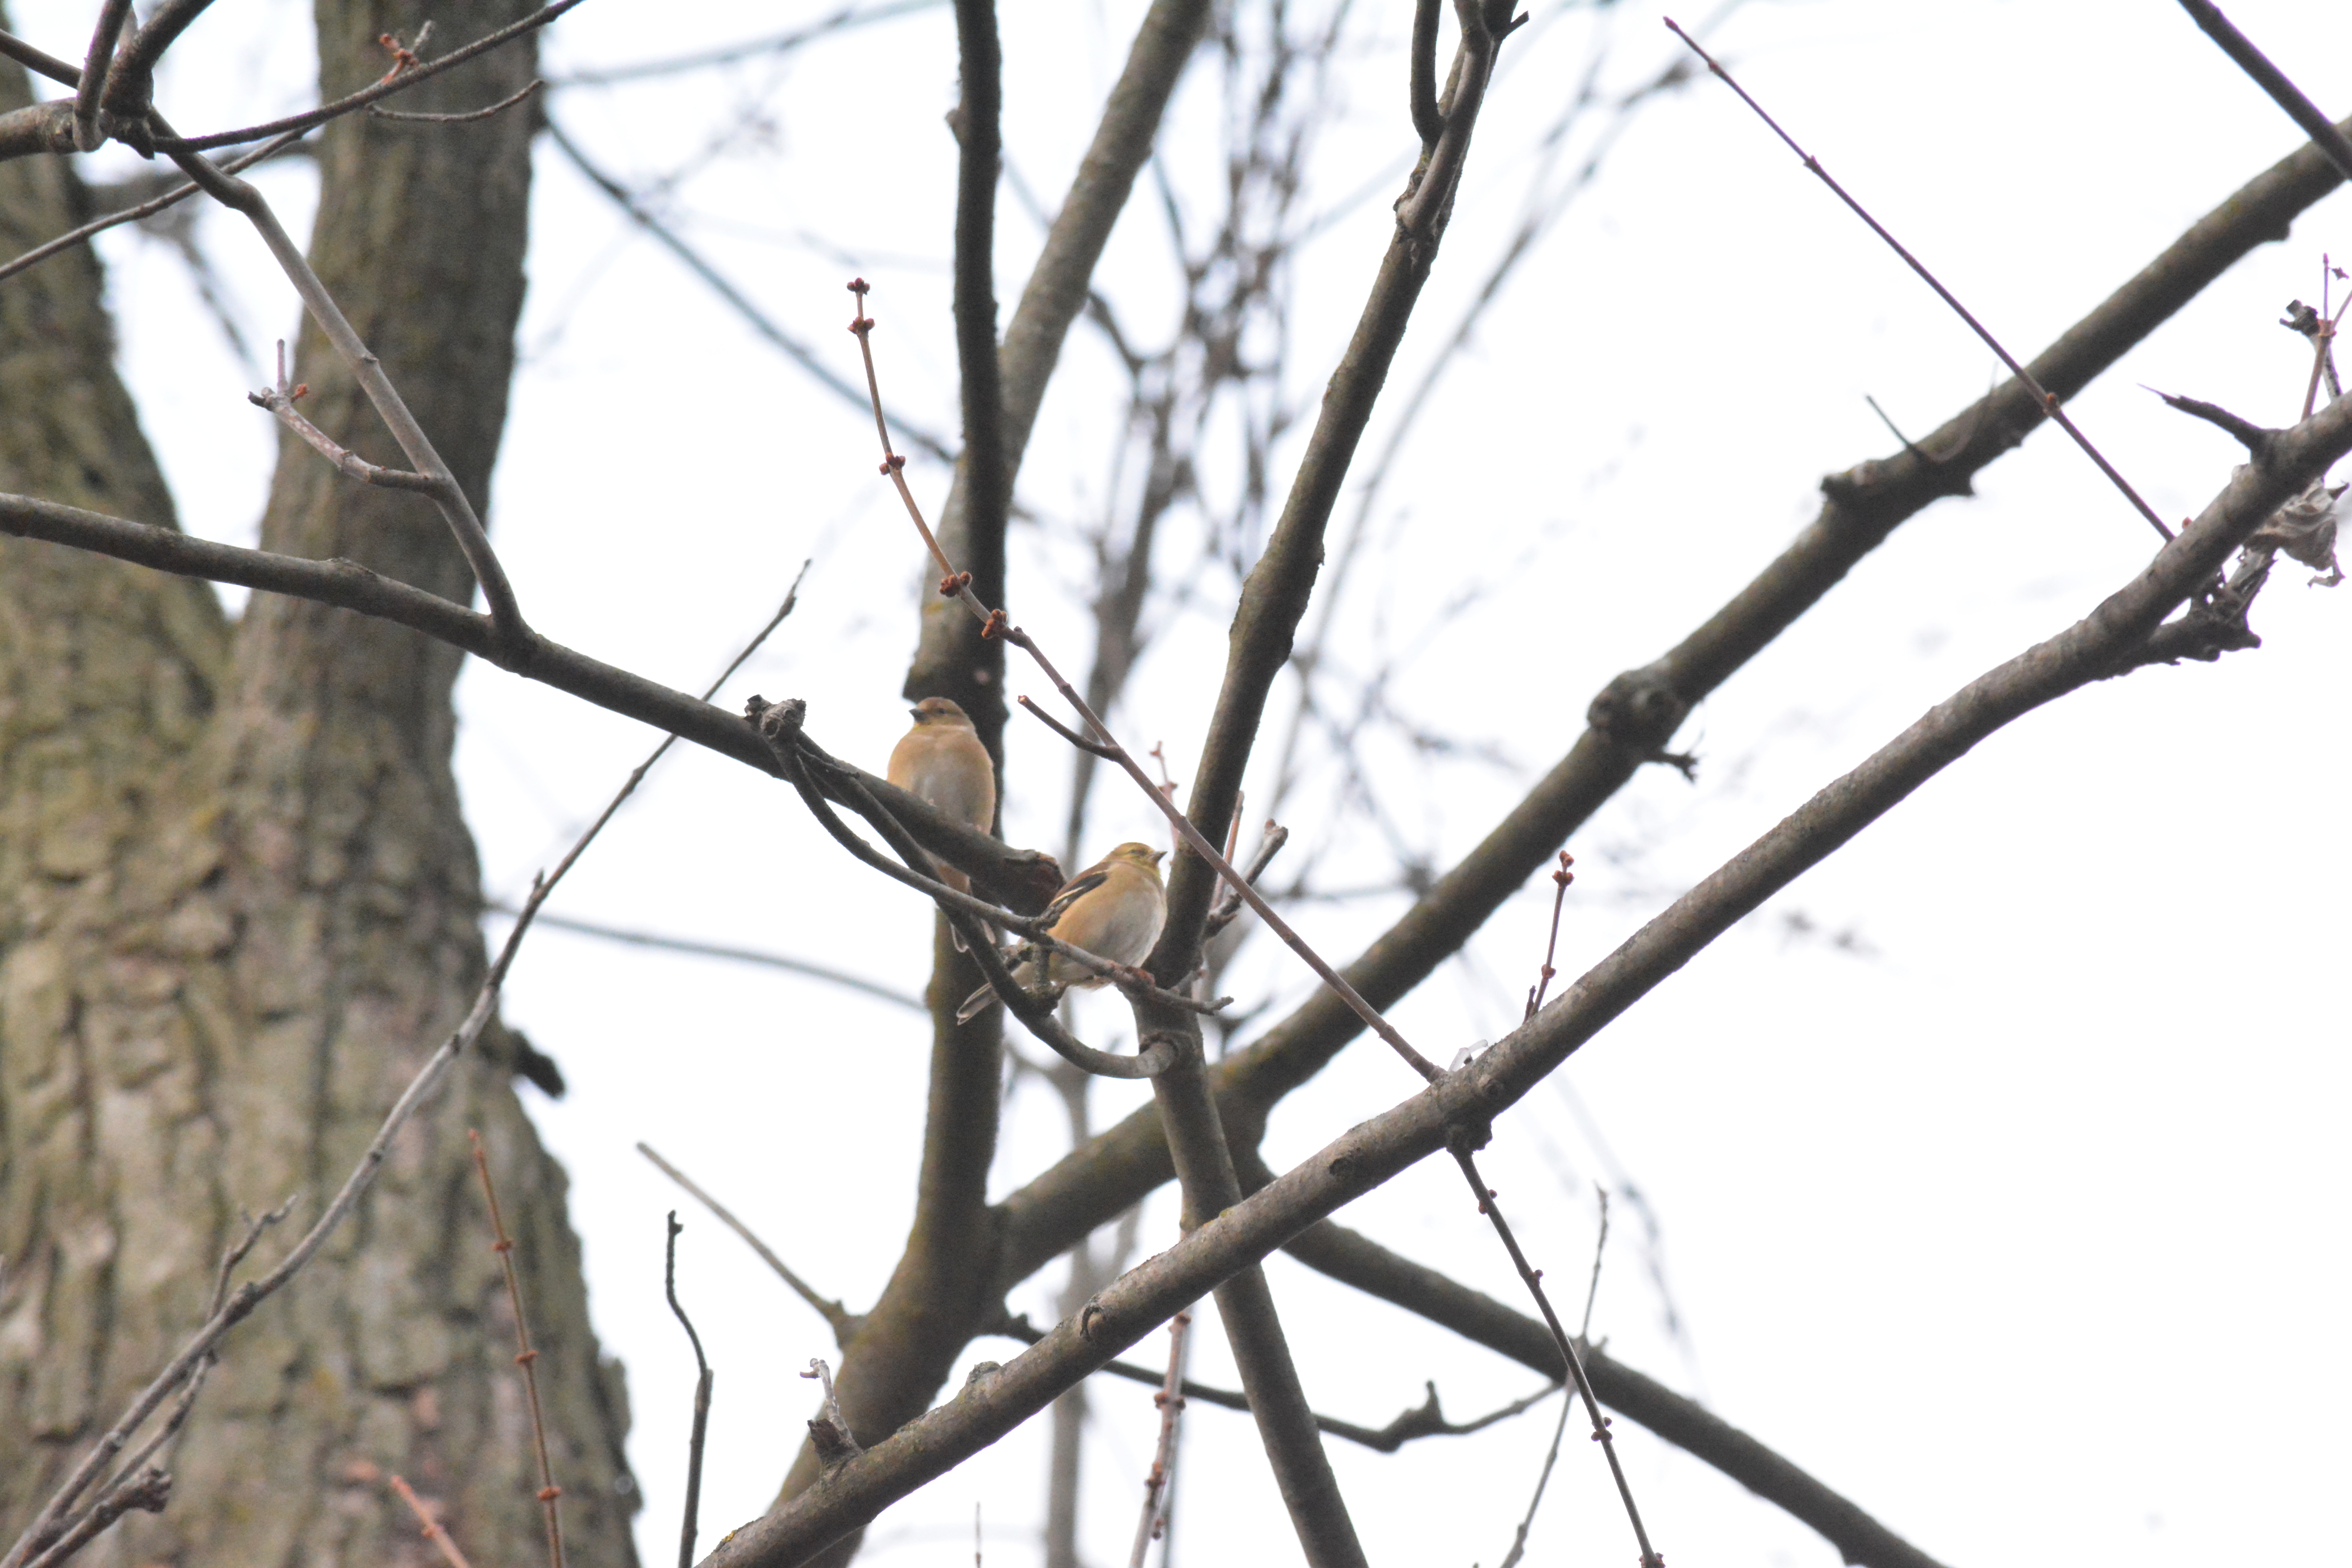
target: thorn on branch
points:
(2255, 438)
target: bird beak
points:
(916, 714)
(1158, 856)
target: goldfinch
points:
(942, 762)
(1113, 909)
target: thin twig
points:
(784, 962)
(728, 54)
(433, 1533)
(799, 353)
(957, 585)
(1426, 1419)
(637, 775)
(1600, 1246)
(1533, 1278)
(550, 1494)
(1158, 1492)
(1518, 1548)
(1270, 842)
(456, 509)
(1891, 427)
(1559, 1429)
(407, 117)
(148, 1492)
(279, 400)
(145, 209)
(1559, 881)
(1363, 1264)
(39, 60)
(839, 1318)
(701, 1395)
(135, 1484)
(400, 82)
(2047, 399)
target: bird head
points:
(940, 710)
(1141, 855)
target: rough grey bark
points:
(239, 906)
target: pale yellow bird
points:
(942, 762)
(1113, 909)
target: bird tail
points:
(976, 1004)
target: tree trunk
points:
(239, 906)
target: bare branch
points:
(111, 14)
(1353, 1259)
(1021, 879)
(2255, 438)
(702, 1390)
(39, 61)
(130, 89)
(2048, 400)
(405, 118)
(1261, 1351)
(456, 508)
(784, 962)
(310, 119)
(840, 1319)
(1533, 1278)
(841, 21)
(799, 353)
(1426, 1419)
(953, 659)
(1427, 122)
(145, 209)
(1158, 1485)
(279, 401)
(2273, 80)
(1229, 905)
(987, 470)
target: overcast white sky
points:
(2019, 1217)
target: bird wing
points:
(1076, 888)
